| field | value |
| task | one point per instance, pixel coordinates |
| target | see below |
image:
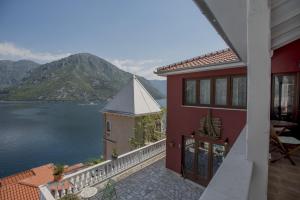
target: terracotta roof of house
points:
(224, 56)
(19, 191)
(25, 185)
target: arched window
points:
(108, 126)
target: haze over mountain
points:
(79, 77)
(160, 85)
(12, 72)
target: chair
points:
(287, 146)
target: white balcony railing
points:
(75, 182)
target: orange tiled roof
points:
(43, 174)
(19, 192)
(16, 177)
(224, 56)
(24, 185)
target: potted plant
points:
(114, 154)
(58, 172)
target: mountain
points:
(79, 77)
(11, 73)
(160, 85)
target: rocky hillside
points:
(79, 77)
(11, 73)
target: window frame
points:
(108, 128)
(210, 92)
(231, 96)
(212, 79)
(185, 92)
(228, 102)
(296, 97)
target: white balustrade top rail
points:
(73, 183)
(232, 180)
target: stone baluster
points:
(81, 184)
(63, 192)
(85, 179)
(71, 182)
(96, 178)
(102, 173)
(93, 177)
(120, 164)
(127, 161)
(123, 163)
(76, 184)
(56, 193)
(115, 166)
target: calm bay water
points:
(37, 133)
(32, 134)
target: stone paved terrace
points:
(157, 183)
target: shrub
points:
(58, 171)
(94, 161)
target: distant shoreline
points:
(49, 101)
(59, 101)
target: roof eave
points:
(202, 68)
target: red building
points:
(217, 83)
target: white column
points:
(259, 90)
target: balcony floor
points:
(284, 179)
(156, 182)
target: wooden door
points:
(201, 158)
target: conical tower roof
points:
(132, 100)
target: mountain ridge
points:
(12, 72)
(78, 77)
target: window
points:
(284, 93)
(226, 91)
(205, 91)
(108, 126)
(239, 91)
(221, 91)
(190, 92)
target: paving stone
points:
(158, 183)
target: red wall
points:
(184, 120)
(287, 58)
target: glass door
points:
(203, 162)
(189, 157)
(284, 97)
(201, 158)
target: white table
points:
(88, 192)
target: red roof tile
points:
(215, 58)
(16, 178)
(24, 185)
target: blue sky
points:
(135, 35)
